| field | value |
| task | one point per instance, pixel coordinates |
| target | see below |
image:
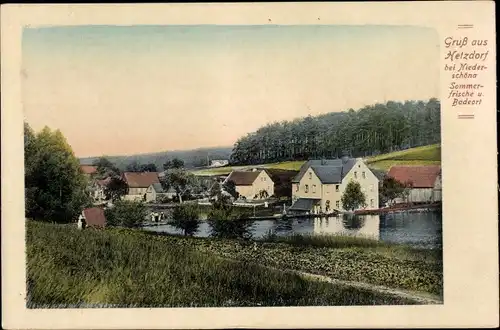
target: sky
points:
(118, 90)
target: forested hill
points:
(191, 158)
(368, 131)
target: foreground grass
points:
(426, 155)
(127, 268)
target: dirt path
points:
(421, 298)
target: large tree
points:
(55, 187)
(353, 197)
(115, 189)
(126, 214)
(105, 168)
(391, 189)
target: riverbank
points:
(401, 208)
(131, 268)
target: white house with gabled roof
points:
(319, 185)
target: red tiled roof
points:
(243, 178)
(88, 169)
(140, 179)
(94, 217)
(419, 176)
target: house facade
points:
(219, 162)
(320, 184)
(97, 190)
(424, 181)
(155, 192)
(251, 184)
(138, 184)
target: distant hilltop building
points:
(219, 162)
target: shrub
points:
(186, 218)
(226, 223)
(126, 214)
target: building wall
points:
(262, 182)
(332, 193)
(369, 184)
(135, 194)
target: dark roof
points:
(303, 204)
(379, 174)
(88, 169)
(140, 179)
(327, 170)
(243, 178)
(419, 176)
(94, 217)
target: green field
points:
(426, 155)
(290, 165)
(125, 268)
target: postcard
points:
(254, 165)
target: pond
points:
(417, 229)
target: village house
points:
(88, 170)
(219, 162)
(138, 184)
(319, 185)
(155, 192)
(424, 182)
(253, 184)
(97, 190)
(92, 217)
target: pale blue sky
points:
(119, 90)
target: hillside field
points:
(426, 155)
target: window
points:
(337, 187)
(297, 187)
(371, 187)
(372, 203)
(310, 175)
(337, 204)
(264, 178)
(314, 188)
(355, 174)
(363, 175)
(307, 188)
(327, 206)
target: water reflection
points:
(422, 229)
(360, 226)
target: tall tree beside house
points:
(186, 218)
(230, 187)
(353, 197)
(180, 180)
(55, 187)
(105, 168)
(115, 189)
(391, 189)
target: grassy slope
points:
(290, 165)
(132, 268)
(426, 155)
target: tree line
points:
(371, 130)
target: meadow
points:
(425, 155)
(131, 268)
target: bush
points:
(227, 223)
(126, 214)
(186, 218)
